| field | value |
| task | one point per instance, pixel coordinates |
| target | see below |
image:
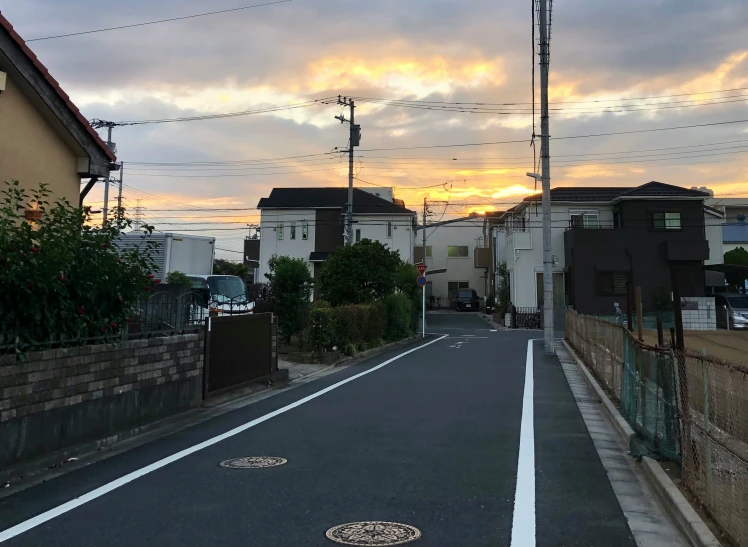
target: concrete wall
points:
(699, 313)
(58, 398)
(31, 151)
(713, 229)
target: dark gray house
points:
(655, 233)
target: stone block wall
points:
(54, 399)
(699, 313)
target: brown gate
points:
(238, 350)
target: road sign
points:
(421, 281)
(421, 269)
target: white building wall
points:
(714, 237)
(270, 222)
(374, 227)
(524, 249)
(463, 233)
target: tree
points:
(505, 294)
(62, 278)
(240, 270)
(360, 273)
(738, 257)
(291, 285)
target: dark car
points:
(467, 299)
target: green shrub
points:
(177, 278)
(377, 324)
(359, 326)
(399, 313)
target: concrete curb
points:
(685, 518)
(59, 463)
(677, 506)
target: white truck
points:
(191, 255)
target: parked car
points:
(732, 311)
(467, 299)
(226, 294)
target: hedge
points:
(356, 327)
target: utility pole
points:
(424, 230)
(119, 194)
(108, 177)
(423, 295)
(549, 333)
(355, 140)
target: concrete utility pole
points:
(108, 178)
(355, 140)
(119, 194)
(549, 334)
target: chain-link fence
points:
(600, 345)
(689, 407)
(714, 427)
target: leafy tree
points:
(291, 284)
(177, 278)
(360, 273)
(63, 279)
(505, 294)
(738, 257)
(226, 267)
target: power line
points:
(490, 143)
(158, 21)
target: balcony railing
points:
(575, 225)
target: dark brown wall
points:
(328, 230)
(589, 250)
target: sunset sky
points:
(615, 67)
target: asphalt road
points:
(431, 439)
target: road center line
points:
(113, 485)
(523, 522)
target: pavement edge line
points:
(50, 514)
(686, 519)
(524, 517)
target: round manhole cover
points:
(253, 462)
(373, 533)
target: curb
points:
(71, 458)
(685, 518)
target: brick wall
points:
(58, 398)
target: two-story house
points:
(453, 258)
(604, 238)
(309, 223)
(43, 136)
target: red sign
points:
(421, 268)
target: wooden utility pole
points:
(639, 317)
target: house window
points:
(305, 230)
(358, 235)
(279, 230)
(612, 283)
(457, 251)
(389, 229)
(585, 219)
(664, 221)
(428, 251)
(293, 231)
(453, 288)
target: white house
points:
(450, 250)
(309, 223)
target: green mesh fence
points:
(648, 396)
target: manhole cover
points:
(253, 462)
(373, 533)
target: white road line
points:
(523, 522)
(98, 492)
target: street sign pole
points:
(422, 282)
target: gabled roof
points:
(654, 189)
(57, 90)
(330, 198)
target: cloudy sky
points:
(616, 67)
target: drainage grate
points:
(373, 533)
(253, 462)
(587, 400)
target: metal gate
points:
(238, 350)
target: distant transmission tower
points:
(138, 215)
